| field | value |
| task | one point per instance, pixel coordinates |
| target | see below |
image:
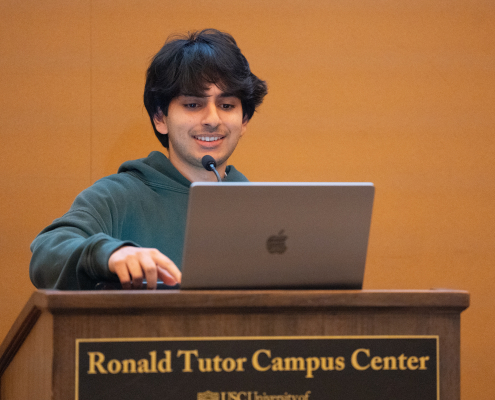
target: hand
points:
(131, 264)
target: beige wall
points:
(395, 92)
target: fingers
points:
(167, 270)
(132, 264)
(123, 275)
(134, 267)
(166, 277)
(150, 271)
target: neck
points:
(196, 174)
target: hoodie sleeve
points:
(72, 252)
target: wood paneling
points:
(68, 316)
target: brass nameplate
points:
(258, 368)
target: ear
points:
(160, 121)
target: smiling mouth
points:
(208, 138)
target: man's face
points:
(196, 126)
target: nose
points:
(211, 119)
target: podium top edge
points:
(53, 300)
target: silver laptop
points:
(276, 235)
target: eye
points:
(227, 106)
(191, 105)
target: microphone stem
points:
(216, 173)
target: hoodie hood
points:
(156, 170)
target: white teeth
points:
(208, 138)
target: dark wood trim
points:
(456, 300)
(18, 333)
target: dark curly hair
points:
(189, 64)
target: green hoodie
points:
(144, 204)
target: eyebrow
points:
(223, 94)
(227, 94)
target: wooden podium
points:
(38, 356)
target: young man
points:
(200, 95)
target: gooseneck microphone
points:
(209, 164)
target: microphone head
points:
(207, 162)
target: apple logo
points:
(276, 243)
